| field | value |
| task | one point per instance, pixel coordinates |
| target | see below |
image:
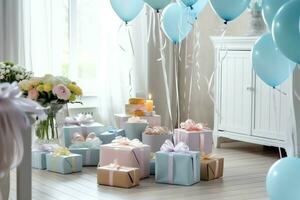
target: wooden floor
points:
(244, 179)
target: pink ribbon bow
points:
(168, 146)
(127, 142)
(190, 125)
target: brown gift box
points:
(211, 168)
(124, 177)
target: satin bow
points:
(12, 93)
(127, 142)
(168, 146)
(190, 125)
(80, 119)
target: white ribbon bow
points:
(125, 141)
(168, 146)
(80, 119)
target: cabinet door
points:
(235, 92)
(272, 116)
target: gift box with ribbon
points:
(177, 165)
(118, 176)
(64, 162)
(134, 128)
(129, 153)
(108, 136)
(156, 136)
(121, 120)
(39, 159)
(82, 125)
(196, 136)
(88, 148)
(211, 167)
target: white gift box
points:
(121, 119)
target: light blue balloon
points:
(285, 30)
(127, 10)
(270, 8)
(189, 3)
(283, 180)
(157, 4)
(176, 23)
(228, 10)
(269, 63)
(198, 7)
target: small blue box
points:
(64, 164)
(108, 136)
(135, 130)
(177, 168)
(69, 130)
(39, 160)
(90, 157)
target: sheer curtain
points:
(82, 39)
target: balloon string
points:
(176, 82)
(163, 64)
(154, 28)
(131, 68)
(277, 121)
(119, 33)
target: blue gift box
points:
(69, 130)
(135, 130)
(177, 168)
(39, 160)
(90, 157)
(108, 136)
(64, 164)
(152, 167)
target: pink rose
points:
(33, 94)
(62, 92)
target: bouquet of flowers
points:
(10, 72)
(52, 92)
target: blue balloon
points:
(270, 8)
(198, 7)
(189, 3)
(283, 180)
(285, 30)
(176, 23)
(127, 10)
(157, 4)
(228, 10)
(269, 63)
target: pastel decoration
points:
(285, 30)
(229, 10)
(189, 3)
(157, 5)
(270, 8)
(197, 7)
(176, 22)
(283, 179)
(269, 63)
(127, 10)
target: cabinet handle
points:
(252, 89)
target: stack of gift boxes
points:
(140, 147)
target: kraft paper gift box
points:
(108, 136)
(124, 177)
(129, 153)
(69, 130)
(196, 140)
(135, 130)
(64, 164)
(178, 168)
(121, 119)
(90, 157)
(212, 168)
(39, 159)
(155, 141)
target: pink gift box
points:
(126, 155)
(196, 140)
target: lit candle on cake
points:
(149, 104)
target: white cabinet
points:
(246, 109)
